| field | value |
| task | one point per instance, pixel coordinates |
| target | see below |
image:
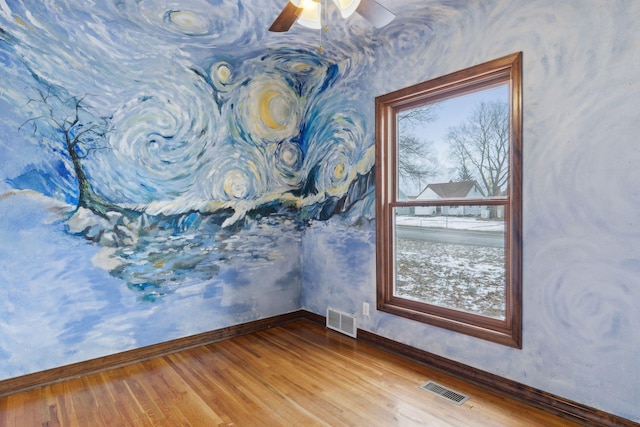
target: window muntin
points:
(449, 251)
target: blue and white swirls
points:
(336, 148)
(238, 173)
(159, 142)
(222, 75)
(220, 23)
(287, 163)
(187, 22)
(266, 110)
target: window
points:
(449, 201)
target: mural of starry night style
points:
(172, 167)
(166, 159)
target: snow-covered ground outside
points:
(453, 222)
(464, 277)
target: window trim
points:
(507, 331)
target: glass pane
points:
(452, 257)
(455, 148)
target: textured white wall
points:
(581, 195)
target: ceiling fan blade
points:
(287, 17)
(375, 13)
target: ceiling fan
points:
(308, 13)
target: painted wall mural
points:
(158, 164)
(234, 169)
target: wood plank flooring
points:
(298, 374)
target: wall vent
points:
(445, 392)
(342, 322)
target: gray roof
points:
(447, 190)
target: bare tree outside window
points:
(480, 147)
(416, 161)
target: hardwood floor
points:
(298, 374)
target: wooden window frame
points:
(507, 331)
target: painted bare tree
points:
(79, 131)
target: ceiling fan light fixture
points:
(311, 12)
(347, 7)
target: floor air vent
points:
(444, 392)
(341, 322)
